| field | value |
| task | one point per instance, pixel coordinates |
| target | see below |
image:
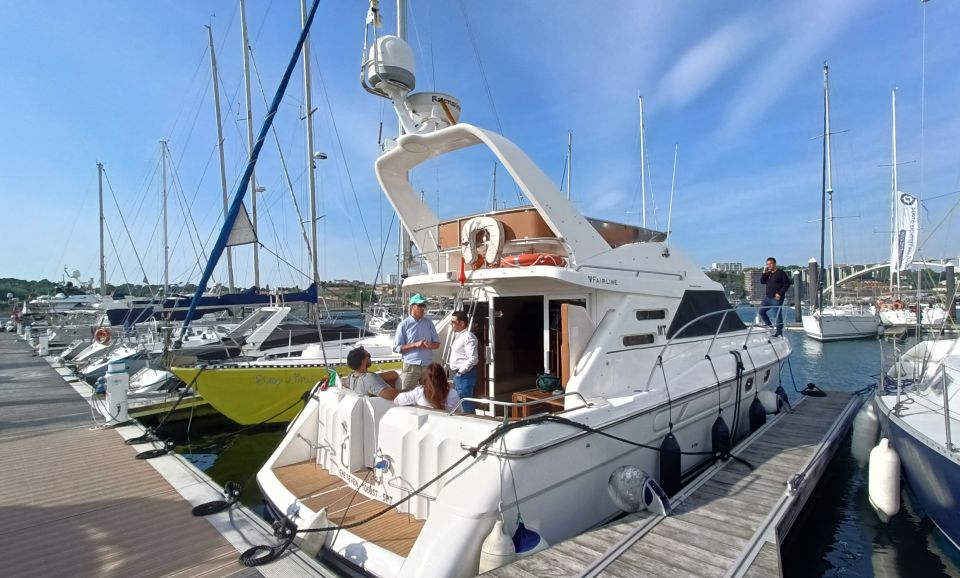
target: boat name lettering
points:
(295, 378)
(365, 488)
(602, 280)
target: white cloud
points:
(701, 66)
(804, 35)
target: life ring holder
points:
(533, 259)
(492, 246)
(102, 336)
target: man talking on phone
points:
(777, 283)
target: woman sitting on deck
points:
(435, 392)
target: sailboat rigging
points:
(833, 323)
(246, 179)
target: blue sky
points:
(737, 87)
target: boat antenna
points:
(673, 187)
(243, 185)
(643, 163)
(569, 160)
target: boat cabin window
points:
(647, 315)
(696, 307)
(643, 339)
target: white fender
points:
(866, 426)
(771, 401)
(492, 247)
(884, 480)
(497, 549)
(312, 542)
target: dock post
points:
(951, 291)
(797, 292)
(812, 282)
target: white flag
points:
(907, 232)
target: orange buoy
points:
(532, 259)
(898, 304)
(103, 336)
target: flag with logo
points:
(907, 232)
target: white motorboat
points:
(644, 347)
(834, 323)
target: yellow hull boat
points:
(256, 394)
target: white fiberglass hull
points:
(838, 325)
(544, 468)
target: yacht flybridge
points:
(644, 345)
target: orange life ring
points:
(898, 304)
(102, 336)
(531, 259)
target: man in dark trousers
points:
(777, 282)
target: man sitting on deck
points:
(362, 381)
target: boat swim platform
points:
(729, 521)
(74, 501)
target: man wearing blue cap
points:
(415, 340)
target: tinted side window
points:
(697, 304)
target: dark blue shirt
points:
(776, 282)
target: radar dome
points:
(390, 66)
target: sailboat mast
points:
(406, 255)
(166, 245)
(823, 188)
(894, 268)
(643, 168)
(103, 268)
(250, 141)
(223, 166)
(311, 176)
(828, 184)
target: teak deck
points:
(728, 522)
(316, 488)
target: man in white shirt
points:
(463, 359)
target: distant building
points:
(751, 284)
(727, 267)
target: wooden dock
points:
(730, 521)
(75, 502)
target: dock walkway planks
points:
(728, 522)
(75, 502)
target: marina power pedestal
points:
(117, 381)
(43, 348)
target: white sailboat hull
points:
(839, 325)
